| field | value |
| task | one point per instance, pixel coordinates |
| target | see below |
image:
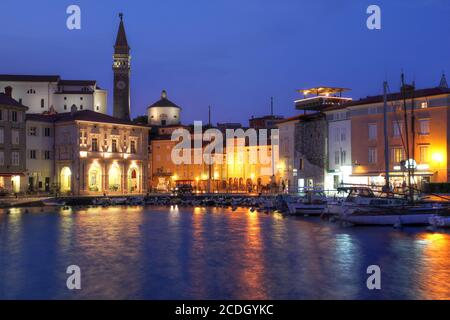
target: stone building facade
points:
(12, 144)
(96, 154)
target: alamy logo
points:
(374, 20)
(242, 147)
(73, 21)
(74, 280)
(374, 280)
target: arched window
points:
(114, 178)
(65, 179)
(95, 178)
(133, 179)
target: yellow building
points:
(232, 171)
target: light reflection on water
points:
(214, 253)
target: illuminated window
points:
(95, 178)
(83, 138)
(397, 155)
(424, 155)
(424, 104)
(65, 179)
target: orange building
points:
(429, 145)
(235, 173)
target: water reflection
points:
(198, 253)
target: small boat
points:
(104, 201)
(54, 203)
(362, 207)
(440, 221)
(313, 203)
(118, 201)
(134, 201)
(388, 219)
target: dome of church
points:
(163, 112)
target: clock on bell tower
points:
(121, 69)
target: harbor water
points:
(213, 253)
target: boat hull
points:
(388, 219)
(299, 209)
(439, 221)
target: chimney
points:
(8, 91)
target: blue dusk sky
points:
(231, 54)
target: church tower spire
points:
(121, 69)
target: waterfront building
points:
(339, 155)
(304, 141)
(50, 93)
(121, 70)
(12, 143)
(96, 154)
(289, 157)
(235, 173)
(429, 145)
(40, 164)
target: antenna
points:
(271, 106)
(209, 116)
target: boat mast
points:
(413, 131)
(209, 165)
(386, 142)
(408, 164)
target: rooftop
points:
(82, 115)
(29, 78)
(420, 93)
(77, 82)
(323, 91)
(164, 102)
(8, 101)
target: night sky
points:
(231, 54)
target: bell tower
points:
(121, 69)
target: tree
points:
(140, 120)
